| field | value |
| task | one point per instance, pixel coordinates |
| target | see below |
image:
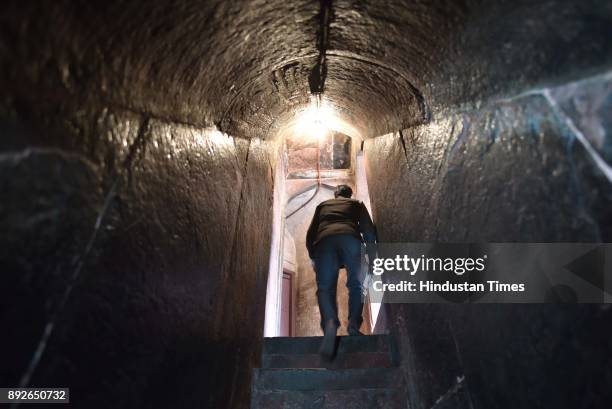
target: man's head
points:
(344, 191)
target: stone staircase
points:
(363, 375)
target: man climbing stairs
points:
(362, 375)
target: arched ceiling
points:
(246, 66)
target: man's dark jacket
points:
(340, 216)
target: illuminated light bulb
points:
(315, 122)
(319, 130)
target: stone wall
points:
(138, 238)
(531, 168)
(134, 257)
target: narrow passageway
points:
(315, 161)
(151, 159)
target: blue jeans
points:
(331, 253)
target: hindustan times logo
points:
(412, 265)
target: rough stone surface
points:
(514, 170)
(511, 171)
(161, 234)
(245, 65)
(148, 233)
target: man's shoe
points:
(354, 331)
(328, 346)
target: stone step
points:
(381, 398)
(325, 380)
(371, 351)
(362, 375)
(341, 361)
(310, 345)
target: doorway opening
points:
(288, 296)
(311, 169)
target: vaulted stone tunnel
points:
(138, 149)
